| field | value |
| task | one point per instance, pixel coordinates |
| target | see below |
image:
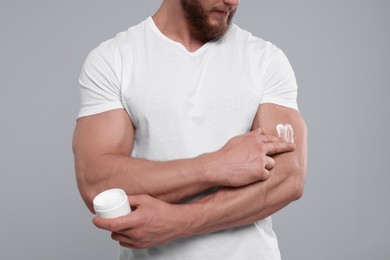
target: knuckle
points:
(265, 174)
(271, 162)
(138, 235)
(114, 226)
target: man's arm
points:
(102, 144)
(261, 199)
(154, 222)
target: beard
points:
(198, 18)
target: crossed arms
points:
(257, 172)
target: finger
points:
(127, 245)
(268, 138)
(134, 201)
(101, 223)
(263, 137)
(113, 224)
(270, 163)
(137, 200)
(278, 147)
(265, 175)
(122, 238)
(132, 245)
(128, 241)
(124, 241)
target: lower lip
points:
(220, 13)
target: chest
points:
(203, 89)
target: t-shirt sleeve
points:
(98, 83)
(280, 86)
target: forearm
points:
(170, 181)
(153, 222)
(233, 207)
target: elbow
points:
(298, 190)
(87, 194)
(297, 182)
(89, 173)
(87, 186)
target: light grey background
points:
(340, 52)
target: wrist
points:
(190, 219)
(207, 173)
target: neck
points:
(171, 20)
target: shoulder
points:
(246, 38)
(255, 50)
(118, 46)
(246, 42)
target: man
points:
(180, 111)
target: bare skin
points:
(254, 167)
(179, 29)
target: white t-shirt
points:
(183, 104)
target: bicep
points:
(269, 116)
(110, 132)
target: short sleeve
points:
(98, 83)
(280, 86)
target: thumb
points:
(134, 201)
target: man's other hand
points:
(246, 158)
(151, 223)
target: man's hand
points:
(247, 158)
(151, 223)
